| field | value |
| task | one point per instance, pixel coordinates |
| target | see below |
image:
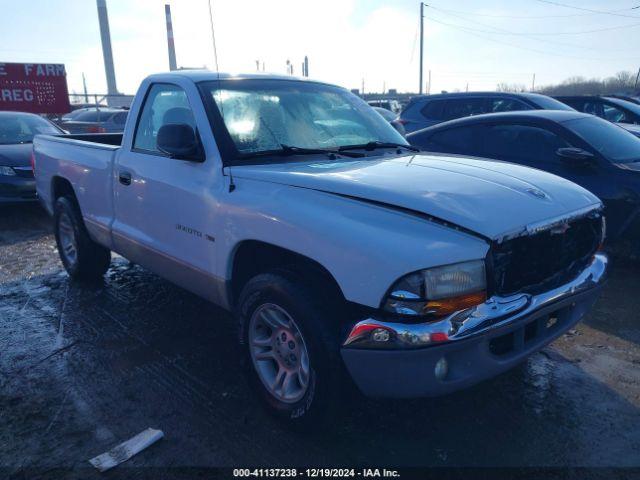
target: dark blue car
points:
(16, 135)
(617, 110)
(427, 110)
(596, 154)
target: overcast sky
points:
(478, 43)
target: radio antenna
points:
(213, 38)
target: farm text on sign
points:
(33, 87)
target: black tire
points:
(90, 261)
(315, 320)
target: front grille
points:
(546, 259)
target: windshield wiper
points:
(376, 144)
(287, 150)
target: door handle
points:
(124, 178)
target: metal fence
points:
(100, 99)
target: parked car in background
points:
(96, 120)
(391, 105)
(630, 127)
(424, 111)
(16, 135)
(628, 98)
(594, 153)
(343, 251)
(77, 110)
(613, 109)
(392, 118)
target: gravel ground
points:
(82, 369)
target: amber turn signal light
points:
(447, 306)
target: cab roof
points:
(204, 75)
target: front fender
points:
(365, 247)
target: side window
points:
(590, 107)
(615, 114)
(434, 110)
(120, 118)
(453, 140)
(463, 107)
(507, 105)
(579, 105)
(528, 144)
(165, 104)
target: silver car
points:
(97, 120)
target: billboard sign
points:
(33, 87)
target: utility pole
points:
(170, 43)
(421, 43)
(105, 37)
(533, 83)
(84, 86)
(429, 84)
(306, 66)
(635, 87)
(363, 88)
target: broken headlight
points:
(439, 291)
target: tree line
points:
(621, 83)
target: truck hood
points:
(494, 199)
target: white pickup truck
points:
(343, 251)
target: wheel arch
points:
(61, 187)
(252, 257)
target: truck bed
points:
(113, 139)
(85, 161)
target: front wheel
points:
(82, 258)
(290, 350)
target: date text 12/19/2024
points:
(315, 473)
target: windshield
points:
(264, 115)
(612, 141)
(22, 128)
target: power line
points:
(477, 14)
(525, 34)
(602, 12)
(509, 32)
(472, 32)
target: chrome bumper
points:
(496, 312)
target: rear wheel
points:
(82, 258)
(290, 349)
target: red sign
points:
(33, 87)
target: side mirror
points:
(576, 157)
(179, 140)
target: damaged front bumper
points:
(393, 359)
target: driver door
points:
(163, 206)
